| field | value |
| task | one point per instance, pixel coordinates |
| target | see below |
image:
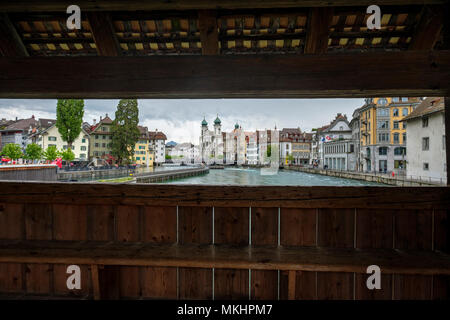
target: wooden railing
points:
(204, 242)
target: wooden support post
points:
(95, 281)
(447, 137)
(428, 29)
(291, 284)
(209, 36)
(319, 20)
(10, 42)
(104, 34)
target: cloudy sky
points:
(180, 119)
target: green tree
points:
(67, 155)
(69, 118)
(125, 132)
(290, 158)
(33, 152)
(51, 153)
(12, 151)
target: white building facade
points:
(426, 156)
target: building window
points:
(383, 151)
(352, 148)
(400, 151)
(83, 140)
(96, 136)
(138, 158)
(103, 137)
(425, 144)
(396, 138)
(404, 99)
(382, 101)
(396, 126)
(395, 112)
(96, 145)
(405, 112)
(426, 166)
(383, 112)
(83, 148)
(103, 145)
(396, 99)
(383, 124)
(96, 153)
(51, 138)
(404, 125)
(383, 137)
(424, 122)
(104, 129)
(404, 137)
(82, 156)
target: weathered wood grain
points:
(134, 5)
(225, 256)
(417, 73)
(227, 196)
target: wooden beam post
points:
(10, 42)
(291, 284)
(428, 29)
(209, 35)
(447, 137)
(104, 35)
(95, 282)
(317, 32)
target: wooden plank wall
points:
(359, 228)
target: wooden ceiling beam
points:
(428, 29)
(209, 35)
(104, 34)
(317, 30)
(137, 5)
(416, 73)
(10, 42)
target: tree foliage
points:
(51, 153)
(69, 118)
(125, 132)
(12, 151)
(67, 155)
(33, 152)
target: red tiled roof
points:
(428, 106)
(157, 135)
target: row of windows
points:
(104, 137)
(104, 145)
(426, 143)
(383, 151)
(384, 112)
(384, 137)
(52, 138)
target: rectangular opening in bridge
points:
(302, 142)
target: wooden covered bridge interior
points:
(233, 242)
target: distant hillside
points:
(171, 144)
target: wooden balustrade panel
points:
(128, 228)
(264, 231)
(70, 223)
(413, 230)
(12, 278)
(38, 226)
(298, 228)
(195, 226)
(159, 226)
(441, 283)
(335, 228)
(374, 229)
(231, 226)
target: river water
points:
(238, 176)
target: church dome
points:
(217, 121)
(236, 126)
(204, 123)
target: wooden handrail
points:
(225, 256)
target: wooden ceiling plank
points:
(137, 5)
(10, 42)
(209, 36)
(104, 34)
(318, 30)
(428, 29)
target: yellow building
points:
(383, 134)
(142, 155)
